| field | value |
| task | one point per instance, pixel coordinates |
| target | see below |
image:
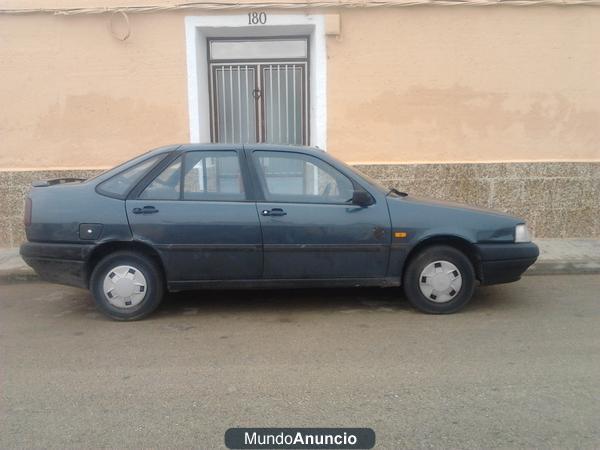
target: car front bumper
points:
(504, 263)
(57, 262)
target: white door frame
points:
(199, 28)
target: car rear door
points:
(310, 228)
(196, 214)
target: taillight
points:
(27, 216)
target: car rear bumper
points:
(58, 263)
(505, 263)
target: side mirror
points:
(362, 198)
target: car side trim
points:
(213, 247)
(283, 283)
(326, 247)
(56, 250)
(275, 247)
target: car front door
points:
(196, 213)
(310, 228)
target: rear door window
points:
(213, 175)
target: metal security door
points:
(256, 99)
(235, 111)
(283, 103)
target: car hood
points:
(422, 217)
(453, 205)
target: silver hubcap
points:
(440, 281)
(125, 287)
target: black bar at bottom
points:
(300, 438)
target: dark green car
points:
(260, 216)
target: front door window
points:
(295, 177)
(259, 91)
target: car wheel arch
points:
(106, 248)
(457, 242)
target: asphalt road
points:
(519, 368)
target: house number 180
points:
(255, 18)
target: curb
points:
(564, 267)
(21, 275)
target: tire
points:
(139, 288)
(431, 284)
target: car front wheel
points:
(127, 285)
(439, 280)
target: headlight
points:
(522, 233)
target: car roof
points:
(266, 147)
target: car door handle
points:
(145, 210)
(273, 212)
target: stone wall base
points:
(558, 200)
(13, 189)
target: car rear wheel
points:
(439, 280)
(127, 285)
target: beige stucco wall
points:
(74, 96)
(404, 85)
(466, 84)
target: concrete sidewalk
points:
(567, 256)
(12, 267)
(557, 256)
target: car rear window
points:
(120, 184)
(166, 186)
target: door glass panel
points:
(292, 177)
(213, 176)
(260, 49)
(234, 103)
(167, 185)
(283, 103)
